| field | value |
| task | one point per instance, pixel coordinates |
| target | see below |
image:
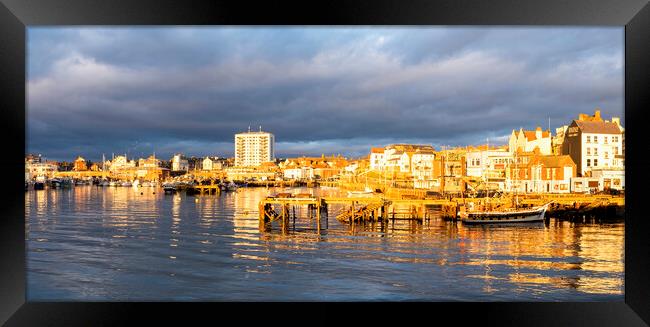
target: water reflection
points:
(138, 244)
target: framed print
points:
(467, 156)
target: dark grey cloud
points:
(319, 90)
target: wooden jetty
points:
(359, 209)
(381, 208)
(282, 207)
(208, 189)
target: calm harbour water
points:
(90, 243)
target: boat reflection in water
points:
(98, 243)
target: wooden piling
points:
(318, 215)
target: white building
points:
(527, 141)
(180, 163)
(594, 143)
(377, 158)
(488, 163)
(120, 162)
(207, 164)
(399, 157)
(422, 164)
(610, 178)
(254, 148)
(299, 173)
(39, 170)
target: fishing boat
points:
(232, 186)
(169, 187)
(127, 183)
(55, 182)
(512, 215)
(367, 191)
(504, 215)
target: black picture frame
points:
(17, 15)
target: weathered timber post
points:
(318, 215)
(423, 211)
(284, 218)
(325, 206)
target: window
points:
(605, 139)
(588, 162)
(595, 151)
(588, 139)
(606, 155)
(588, 151)
(615, 150)
(595, 162)
(595, 139)
(614, 139)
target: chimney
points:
(538, 133)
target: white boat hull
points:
(500, 217)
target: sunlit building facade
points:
(254, 148)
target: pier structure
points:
(380, 209)
(283, 208)
(354, 210)
(209, 189)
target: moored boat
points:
(38, 185)
(367, 191)
(535, 214)
(169, 187)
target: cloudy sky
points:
(95, 90)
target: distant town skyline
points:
(139, 90)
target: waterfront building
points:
(180, 163)
(558, 140)
(292, 171)
(488, 165)
(397, 158)
(422, 164)
(537, 173)
(33, 158)
(611, 178)
(120, 163)
(376, 158)
(313, 167)
(594, 143)
(298, 173)
(65, 166)
(245, 173)
(254, 148)
(40, 170)
(207, 164)
(80, 164)
(449, 169)
(150, 162)
(527, 141)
